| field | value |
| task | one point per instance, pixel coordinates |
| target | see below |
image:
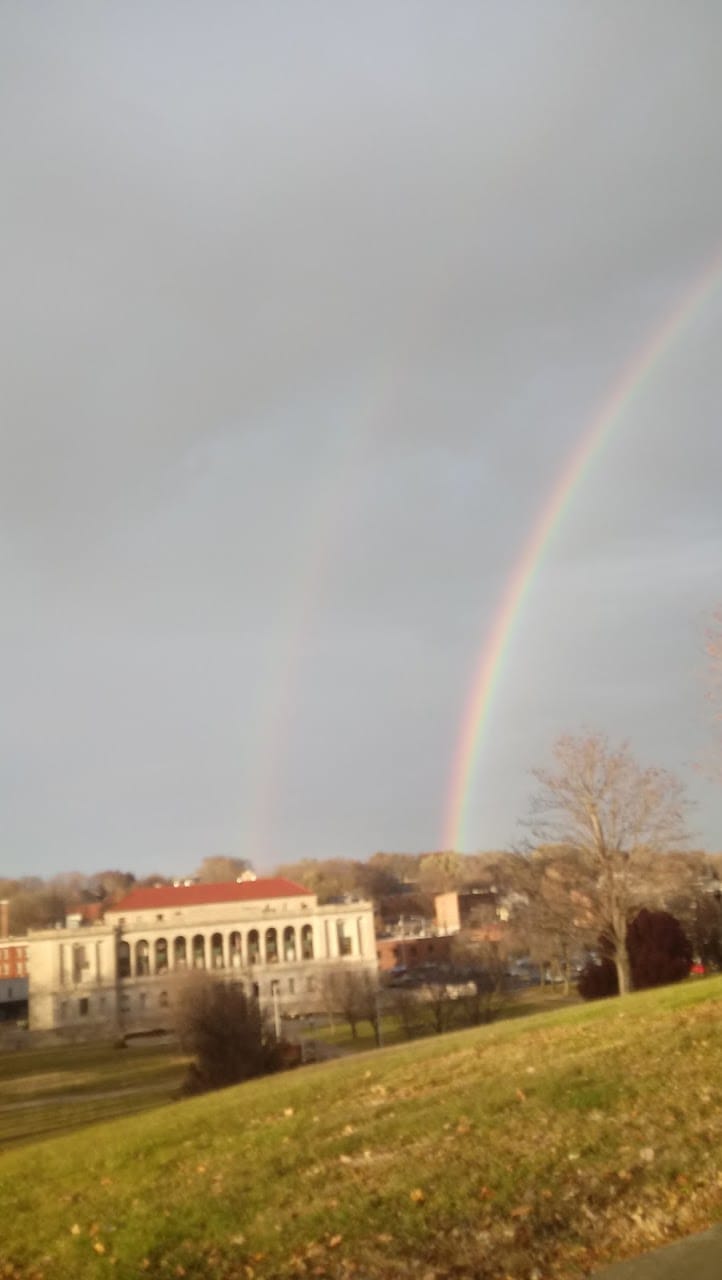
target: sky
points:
(305, 308)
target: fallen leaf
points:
(521, 1211)
(334, 1241)
(75, 1229)
(99, 1246)
(417, 1196)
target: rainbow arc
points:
(490, 665)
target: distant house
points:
(478, 912)
(269, 935)
(410, 951)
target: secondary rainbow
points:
(490, 666)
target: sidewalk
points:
(697, 1258)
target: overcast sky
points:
(305, 307)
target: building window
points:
(254, 947)
(124, 1003)
(142, 1000)
(179, 953)
(142, 959)
(199, 951)
(344, 943)
(163, 1000)
(271, 946)
(289, 943)
(161, 955)
(123, 959)
(159, 917)
(217, 951)
(310, 984)
(307, 942)
(83, 1006)
(234, 945)
(80, 962)
(291, 987)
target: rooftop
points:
(198, 895)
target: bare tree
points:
(221, 867)
(225, 1030)
(557, 920)
(353, 994)
(617, 817)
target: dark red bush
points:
(659, 950)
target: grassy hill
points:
(532, 1149)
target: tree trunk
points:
(621, 961)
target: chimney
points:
(4, 918)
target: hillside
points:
(532, 1149)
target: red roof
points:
(198, 895)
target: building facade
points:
(13, 980)
(269, 935)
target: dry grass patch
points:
(535, 1150)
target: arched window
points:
(123, 959)
(161, 955)
(217, 951)
(234, 949)
(271, 946)
(180, 956)
(289, 943)
(199, 952)
(254, 947)
(142, 959)
(163, 1000)
(344, 942)
(307, 942)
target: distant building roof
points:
(88, 912)
(198, 895)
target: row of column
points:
(219, 951)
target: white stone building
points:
(271, 935)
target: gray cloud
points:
(305, 309)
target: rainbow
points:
(490, 666)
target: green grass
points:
(49, 1091)
(520, 1005)
(545, 1145)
